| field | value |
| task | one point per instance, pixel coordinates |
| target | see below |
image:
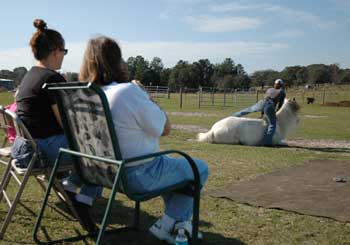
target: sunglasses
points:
(65, 51)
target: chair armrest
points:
(97, 158)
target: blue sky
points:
(257, 34)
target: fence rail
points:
(204, 96)
(158, 91)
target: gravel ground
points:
(191, 114)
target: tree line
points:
(224, 75)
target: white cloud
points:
(295, 15)
(222, 24)
(290, 34)
(235, 6)
(12, 58)
(169, 52)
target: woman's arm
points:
(57, 114)
(167, 126)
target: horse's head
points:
(287, 117)
(294, 106)
(290, 105)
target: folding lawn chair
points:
(20, 175)
(93, 143)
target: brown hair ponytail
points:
(45, 40)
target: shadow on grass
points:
(144, 237)
(121, 216)
(309, 148)
(322, 149)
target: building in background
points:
(7, 84)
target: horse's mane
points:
(292, 104)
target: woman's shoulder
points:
(129, 90)
(127, 87)
(47, 75)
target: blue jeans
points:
(49, 148)
(259, 106)
(162, 172)
(270, 113)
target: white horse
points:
(248, 131)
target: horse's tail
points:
(206, 137)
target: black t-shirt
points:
(34, 103)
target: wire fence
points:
(158, 91)
(207, 96)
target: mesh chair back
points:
(89, 128)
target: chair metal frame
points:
(21, 175)
(119, 181)
(5, 151)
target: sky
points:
(266, 34)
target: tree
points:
(334, 72)
(18, 74)
(155, 70)
(180, 75)
(164, 77)
(141, 68)
(302, 76)
(223, 75)
(240, 70)
(131, 63)
(318, 73)
(344, 77)
(264, 77)
(242, 81)
(289, 74)
(225, 82)
(205, 70)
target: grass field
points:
(222, 221)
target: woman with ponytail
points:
(38, 110)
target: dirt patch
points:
(322, 143)
(314, 116)
(345, 103)
(191, 114)
(189, 128)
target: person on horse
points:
(273, 101)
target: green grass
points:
(223, 221)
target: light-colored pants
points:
(49, 148)
(259, 106)
(162, 172)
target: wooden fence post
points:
(212, 96)
(324, 96)
(224, 97)
(199, 97)
(303, 95)
(180, 97)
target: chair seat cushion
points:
(5, 151)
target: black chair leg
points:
(136, 224)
